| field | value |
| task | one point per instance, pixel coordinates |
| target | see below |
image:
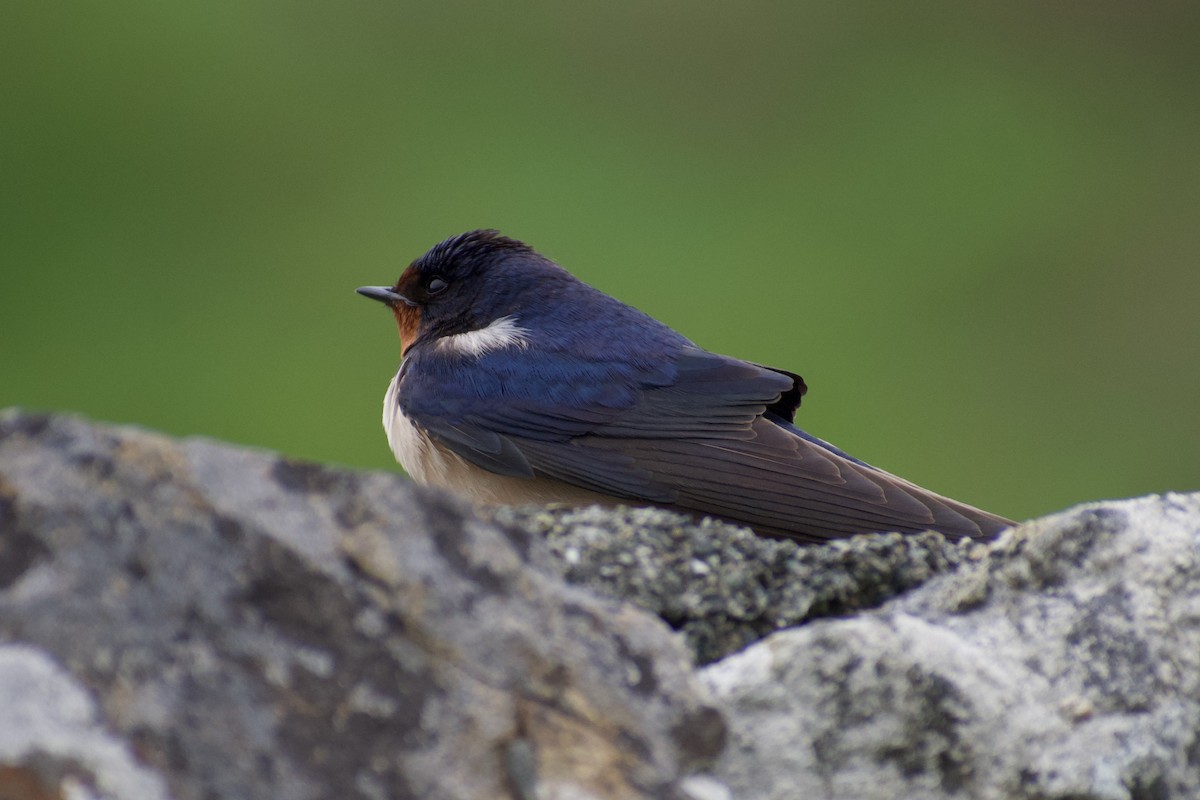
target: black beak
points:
(384, 295)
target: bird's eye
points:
(436, 285)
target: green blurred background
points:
(973, 228)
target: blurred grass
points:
(972, 229)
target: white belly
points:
(431, 464)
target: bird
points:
(520, 384)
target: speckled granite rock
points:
(722, 586)
(192, 620)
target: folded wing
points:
(698, 431)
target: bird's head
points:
(478, 283)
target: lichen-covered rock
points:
(221, 623)
(722, 586)
(53, 742)
(1063, 664)
(190, 620)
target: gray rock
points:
(722, 586)
(51, 739)
(1064, 664)
(191, 620)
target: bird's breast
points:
(409, 443)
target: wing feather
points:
(709, 435)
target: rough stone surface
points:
(191, 620)
(1064, 664)
(722, 586)
(46, 711)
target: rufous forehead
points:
(408, 279)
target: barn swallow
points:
(519, 383)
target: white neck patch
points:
(499, 334)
